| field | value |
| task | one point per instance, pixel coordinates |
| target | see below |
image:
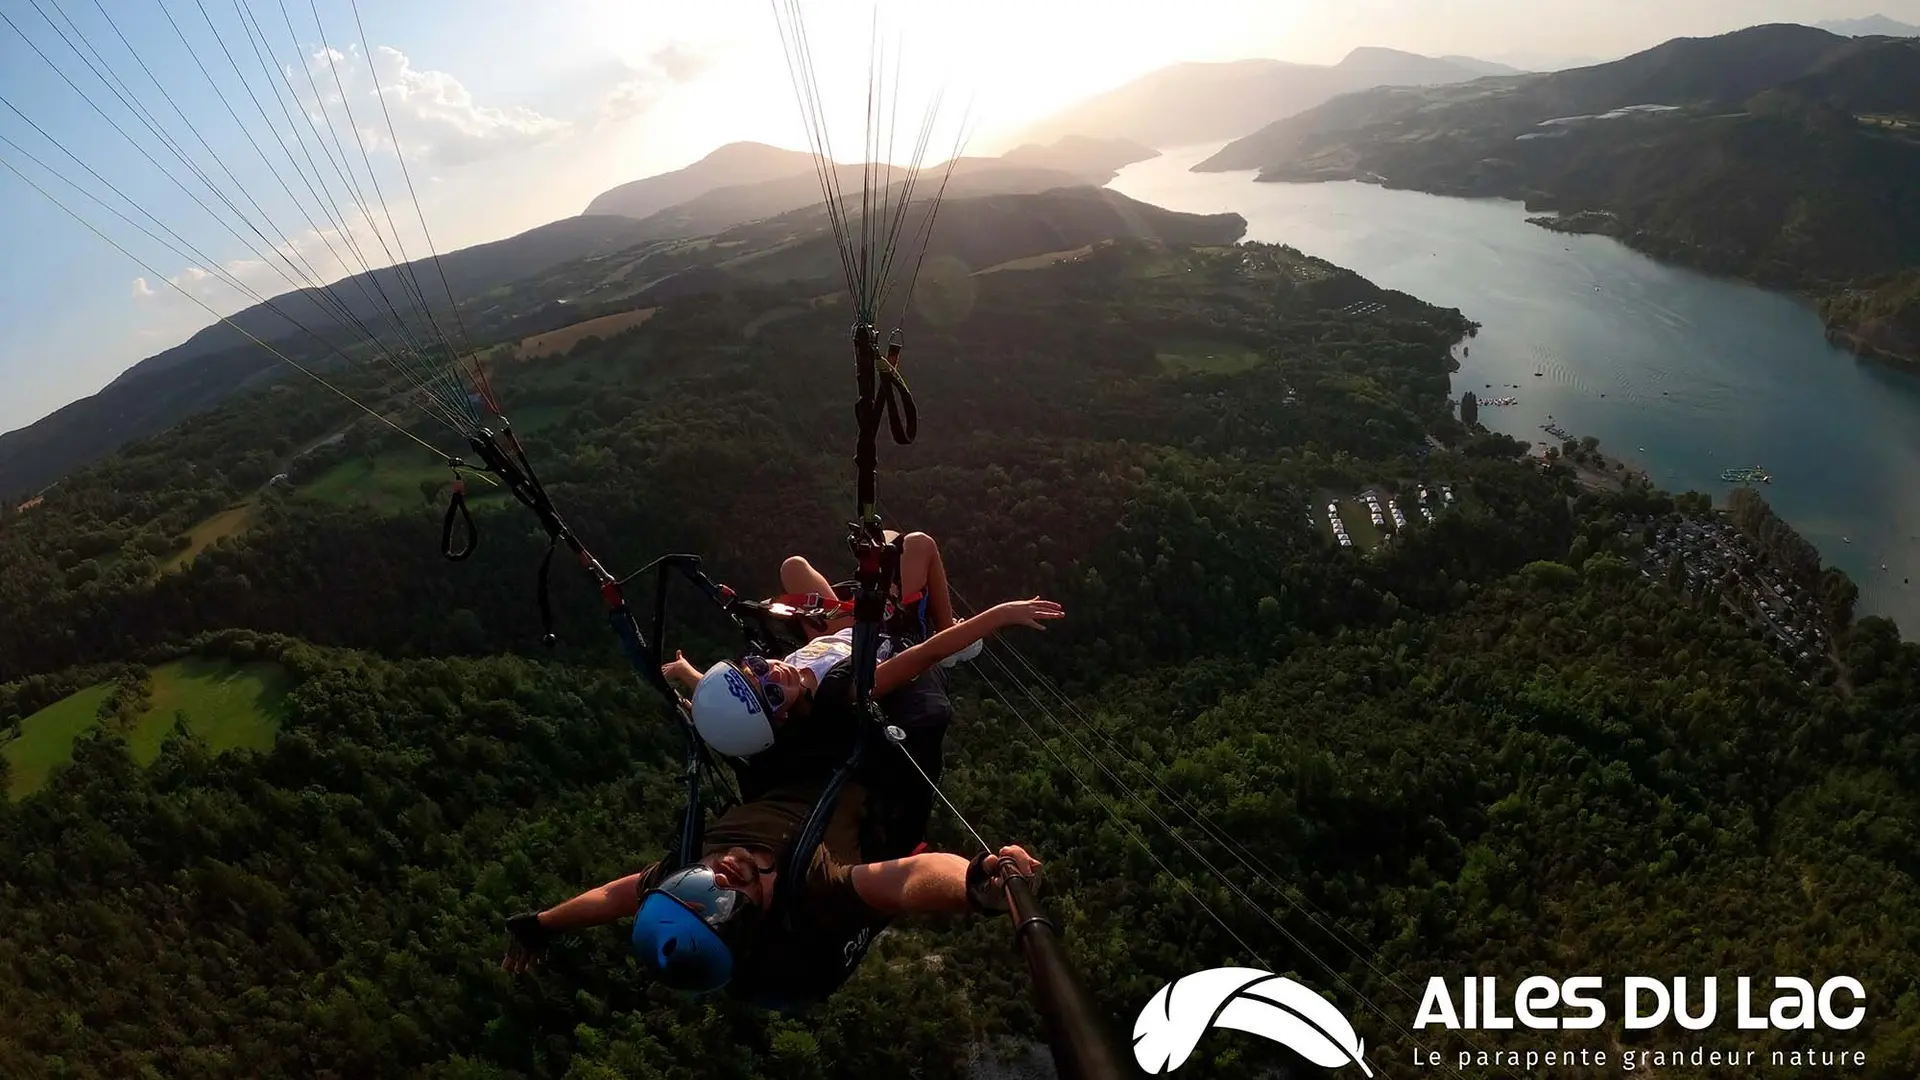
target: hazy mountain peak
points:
(1485, 67)
(1193, 102)
(1870, 26)
(732, 164)
(1725, 70)
(1378, 56)
(735, 153)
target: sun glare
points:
(993, 66)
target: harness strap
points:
(903, 417)
(545, 597)
(815, 605)
(457, 511)
(786, 890)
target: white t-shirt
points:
(823, 654)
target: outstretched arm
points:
(909, 664)
(528, 934)
(611, 902)
(933, 883)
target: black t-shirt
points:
(799, 957)
(808, 748)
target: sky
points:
(183, 115)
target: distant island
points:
(1782, 154)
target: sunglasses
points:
(762, 672)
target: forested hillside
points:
(163, 389)
(1485, 744)
(542, 279)
(1780, 154)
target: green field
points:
(46, 738)
(1220, 357)
(228, 706)
(536, 418)
(1038, 262)
(558, 342)
(226, 523)
(388, 484)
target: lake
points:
(1680, 373)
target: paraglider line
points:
(984, 846)
(10, 167)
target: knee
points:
(796, 570)
(918, 545)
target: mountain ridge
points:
(166, 389)
(1870, 26)
(1781, 154)
(1195, 102)
(733, 163)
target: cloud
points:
(681, 62)
(664, 68)
(439, 126)
(434, 116)
(309, 258)
(629, 99)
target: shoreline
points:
(1849, 338)
(1842, 333)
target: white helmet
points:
(729, 712)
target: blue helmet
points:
(682, 929)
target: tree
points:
(1577, 554)
(430, 490)
(1469, 409)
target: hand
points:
(987, 877)
(679, 671)
(1023, 864)
(527, 943)
(1034, 613)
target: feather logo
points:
(1243, 999)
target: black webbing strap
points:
(543, 594)
(902, 416)
(508, 461)
(907, 426)
(693, 819)
(457, 512)
(878, 564)
(516, 473)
